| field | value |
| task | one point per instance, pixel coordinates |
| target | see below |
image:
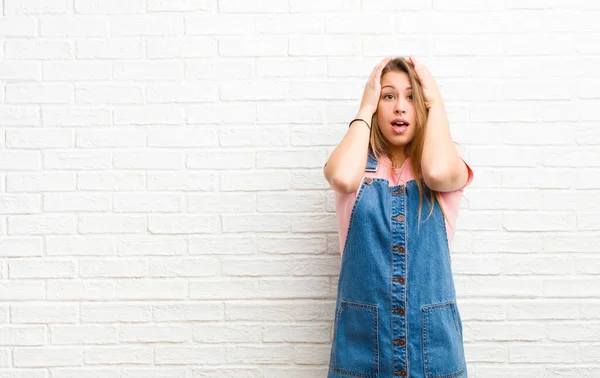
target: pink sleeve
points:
(463, 155)
(452, 200)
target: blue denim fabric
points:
(396, 313)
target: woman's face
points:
(396, 103)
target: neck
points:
(398, 158)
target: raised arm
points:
(346, 164)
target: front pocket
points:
(443, 353)
(355, 348)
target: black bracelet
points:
(359, 119)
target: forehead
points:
(398, 79)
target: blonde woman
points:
(396, 311)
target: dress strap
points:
(372, 162)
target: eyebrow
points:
(390, 85)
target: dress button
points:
(399, 191)
(400, 342)
(399, 279)
(368, 180)
(401, 249)
(403, 373)
(400, 218)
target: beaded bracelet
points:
(359, 119)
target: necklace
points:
(397, 175)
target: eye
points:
(389, 94)
(410, 96)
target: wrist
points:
(436, 107)
(365, 114)
(360, 120)
(434, 103)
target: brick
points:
(108, 355)
(80, 26)
(184, 267)
(102, 268)
(76, 70)
(154, 334)
(188, 311)
(108, 94)
(20, 204)
(146, 25)
(261, 46)
(47, 268)
(80, 246)
(147, 202)
(181, 47)
(39, 138)
(23, 335)
(76, 202)
(41, 224)
(109, 6)
(181, 5)
(18, 26)
(218, 24)
(126, 48)
(156, 289)
(38, 49)
(55, 313)
(101, 137)
(78, 334)
(119, 224)
(12, 7)
(47, 357)
(189, 355)
(150, 245)
(107, 312)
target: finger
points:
(376, 73)
(372, 74)
(382, 65)
(378, 67)
(418, 65)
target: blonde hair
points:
(380, 145)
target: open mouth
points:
(399, 127)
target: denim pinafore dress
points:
(396, 313)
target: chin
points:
(408, 134)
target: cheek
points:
(381, 107)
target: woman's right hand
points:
(372, 90)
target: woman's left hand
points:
(431, 92)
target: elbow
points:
(440, 175)
(340, 182)
(442, 183)
(343, 185)
(432, 181)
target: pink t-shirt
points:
(344, 202)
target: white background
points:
(163, 211)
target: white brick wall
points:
(163, 211)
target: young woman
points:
(396, 311)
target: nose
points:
(400, 107)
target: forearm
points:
(346, 164)
(439, 152)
